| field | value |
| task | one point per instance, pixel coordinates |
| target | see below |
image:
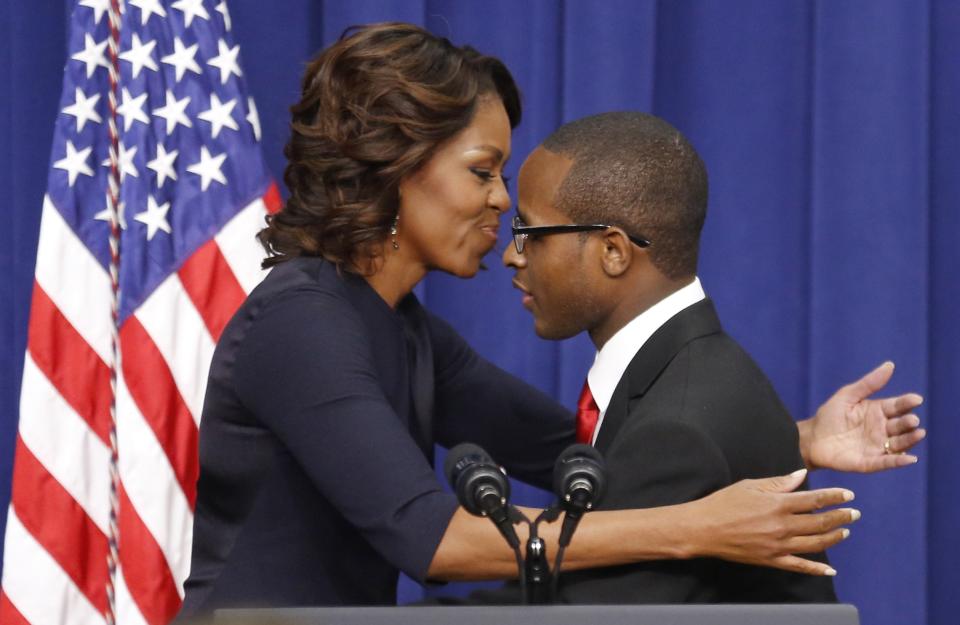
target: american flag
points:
(190, 189)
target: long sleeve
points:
(476, 401)
(308, 371)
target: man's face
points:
(553, 270)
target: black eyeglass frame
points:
(521, 232)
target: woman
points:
(331, 384)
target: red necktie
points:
(587, 415)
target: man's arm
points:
(851, 432)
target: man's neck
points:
(636, 300)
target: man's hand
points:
(853, 433)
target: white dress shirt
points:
(614, 357)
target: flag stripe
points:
(272, 199)
(155, 393)
(78, 285)
(31, 586)
(238, 244)
(75, 542)
(79, 375)
(127, 611)
(179, 333)
(65, 445)
(9, 614)
(212, 287)
(152, 486)
(145, 569)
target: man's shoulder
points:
(713, 386)
(715, 371)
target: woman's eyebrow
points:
(497, 152)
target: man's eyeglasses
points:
(521, 231)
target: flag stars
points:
(182, 58)
(174, 112)
(190, 10)
(140, 55)
(163, 164)
(75, 163)
(222, 10)
(148, 8)
(253, 117)
(104, 215)
(126, 162)
(132, 109)
(208, 168)
(226, 61)
(99, 8)
(155, 217)
(84, 109)
(219, 115)
(93, 54)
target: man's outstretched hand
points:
(851, 432)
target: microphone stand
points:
(538, 585)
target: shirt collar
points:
(613, 359)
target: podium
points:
(754, 614)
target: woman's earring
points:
(393, 231)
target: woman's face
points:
(450, 208)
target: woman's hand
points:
(852, 433)
(762, 522)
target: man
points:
(676, 407)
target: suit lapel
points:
(691, 323)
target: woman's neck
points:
(394, 276)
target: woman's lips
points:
(490, 231)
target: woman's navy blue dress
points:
(322, 408)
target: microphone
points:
(482, 487)
(579, 479)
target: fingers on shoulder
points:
(802, 565)
(810, 501)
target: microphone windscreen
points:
(457, 455)
(579, 460)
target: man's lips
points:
(527, 295)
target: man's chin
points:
(552, 332)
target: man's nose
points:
(511, 258)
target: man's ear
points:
(618, 253)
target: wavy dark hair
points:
(375, 106)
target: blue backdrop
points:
(830, 131)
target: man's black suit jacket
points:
(692, 413)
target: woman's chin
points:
(467, 271)
(468, 268)
(463, 264)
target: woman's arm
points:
(759, 522)
(477, 402)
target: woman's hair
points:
(374, 108)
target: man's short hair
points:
(638, 172)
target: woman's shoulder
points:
(300, 287)
(301, 274)
(298, 281)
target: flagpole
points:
(113, 206)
